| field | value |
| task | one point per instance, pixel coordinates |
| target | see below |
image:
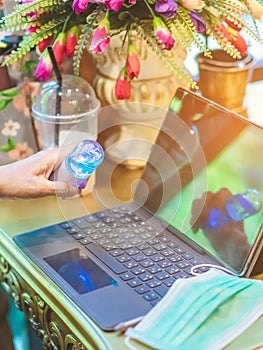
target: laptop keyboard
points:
(144, 257)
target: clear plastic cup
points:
(66, 114)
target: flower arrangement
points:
(71, 26)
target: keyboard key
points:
(165, 263)
(146, 263)
(142, 289)
(132, 251)
(131, 264)
(179, 250)
(126, 276)
(91, 218)
(81, 223)
(143, 246)
(161, 290)
(169, 282)
(73, 230)
(153, 283)
(160, 246)
(157, 258)
(123, 258)
(85, 241)
(165, 239)
(138, 270)
(182, 275)
(154, 269)
(96, 235)
(134, 283)
(175, 258)
(167, 252)
(79, 235)
(116, 252)
(65, 225)
(172, 270)
(162, 275)
(139, 257)
(183, 264)
(187, 256)
(150, 252)
(172, 245)
(145, 277)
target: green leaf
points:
(11, 143)
(9, 92)
(4, 103)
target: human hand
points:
(29, 178)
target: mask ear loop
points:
(209, 266)
(128, 343)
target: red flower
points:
(43, 44)
(235, 25)
(72, 39)
(133, 62)
(222, 32)
(123, 86)
(238, 41)
(59, 47)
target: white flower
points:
(10, 128)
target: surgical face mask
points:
(204, 312)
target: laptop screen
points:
(204, 178)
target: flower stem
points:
(66, 22)
(149, 8)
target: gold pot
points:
(224, 80)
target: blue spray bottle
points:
(77, 167)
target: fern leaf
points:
(30, 41)
(85, 37)
(166, 57)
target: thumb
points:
(65, 190)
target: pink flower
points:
(32, 29)
(133, 62)
(193, 4)
(114, 5)
(80, 6)
(72, 39)
(98, 44)
(164, 37)
(59, 47)
(44, 66)
(123, 86)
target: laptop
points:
(118, 263)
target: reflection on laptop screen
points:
(207, 155)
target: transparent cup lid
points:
(74, 98)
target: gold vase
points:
(141, 116)
(224, 79)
